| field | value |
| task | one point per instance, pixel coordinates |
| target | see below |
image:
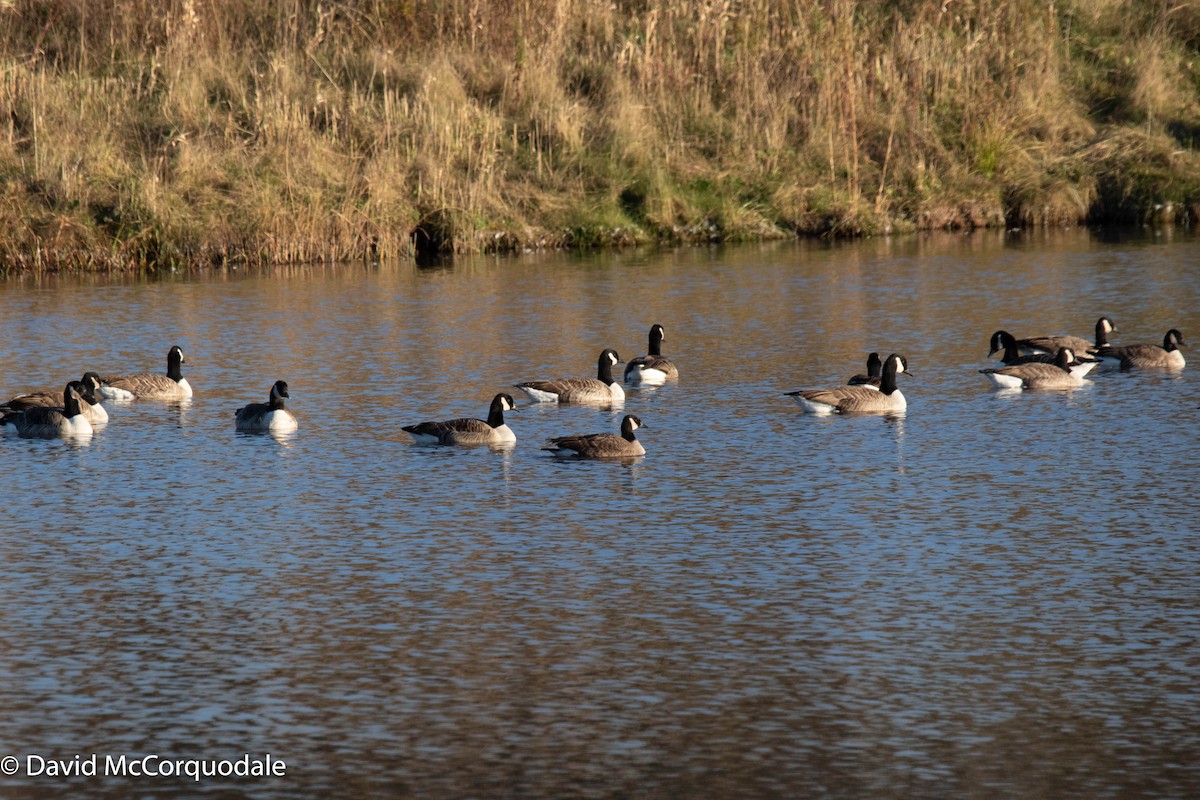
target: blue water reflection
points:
(993, 595)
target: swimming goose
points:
(874, 374)
(1050, 345)
(652, 368)
(467, 430)
(48, 422)
(1136, 356)
(1038, 375)
(857, 399)
(89, 402)
(1005, 343)
(601, 445)
(269, 416)
(145, 385)
(601, 390)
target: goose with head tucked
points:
(1005, 343)
(601, 390)
(1147, 356)
(873, 376)
(492, 431)
(49, 422)
(859, 399)
(151, 386)
(601, 445)
(1038, 374)
(90, 403)
(1050, 345)
(652, 368)
(272, 416)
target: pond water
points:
(996, 594)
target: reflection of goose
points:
(1050, 345)
(874, 374)
(859, 399)
(601, 390)
(268, 416)
(172, 386)
(1037, 374)
(652, 368)
(48, 422)
(1135, 356)
(467, 430)
(89, 402)
(601, 445)
(1005, 343)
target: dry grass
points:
(135, 134)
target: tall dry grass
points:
(138, 134)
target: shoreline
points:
(136, 137)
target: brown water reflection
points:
(993, 595)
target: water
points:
(994, 595)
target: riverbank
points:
(144, 135)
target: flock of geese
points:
(1040, 362)
(42, 415)
(652, 369)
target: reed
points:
(138, 134)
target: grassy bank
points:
(140, 134)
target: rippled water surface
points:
(995, 595)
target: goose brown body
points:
(601, 390)
(469, 431)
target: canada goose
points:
(89, 402)
(652, 368)
(874, 374)
(601, 445)
(149, 386)
(601, 390)
(48, 422)
(856, 399)
(1050, 345)
(1037, 375)
(269, 416)
(1136, 356)
(469, 431)
(1005, 343)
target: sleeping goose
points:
(601, 390)
(269, 416)
(89, 402)
(601, 445)
(1050, 345)
(149, 386)
(1037, 374)
(859, 399)
(1139, 356)
(874, 373)
(1005, 343)
(492, 431)
(49, 422)
(652, 368)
